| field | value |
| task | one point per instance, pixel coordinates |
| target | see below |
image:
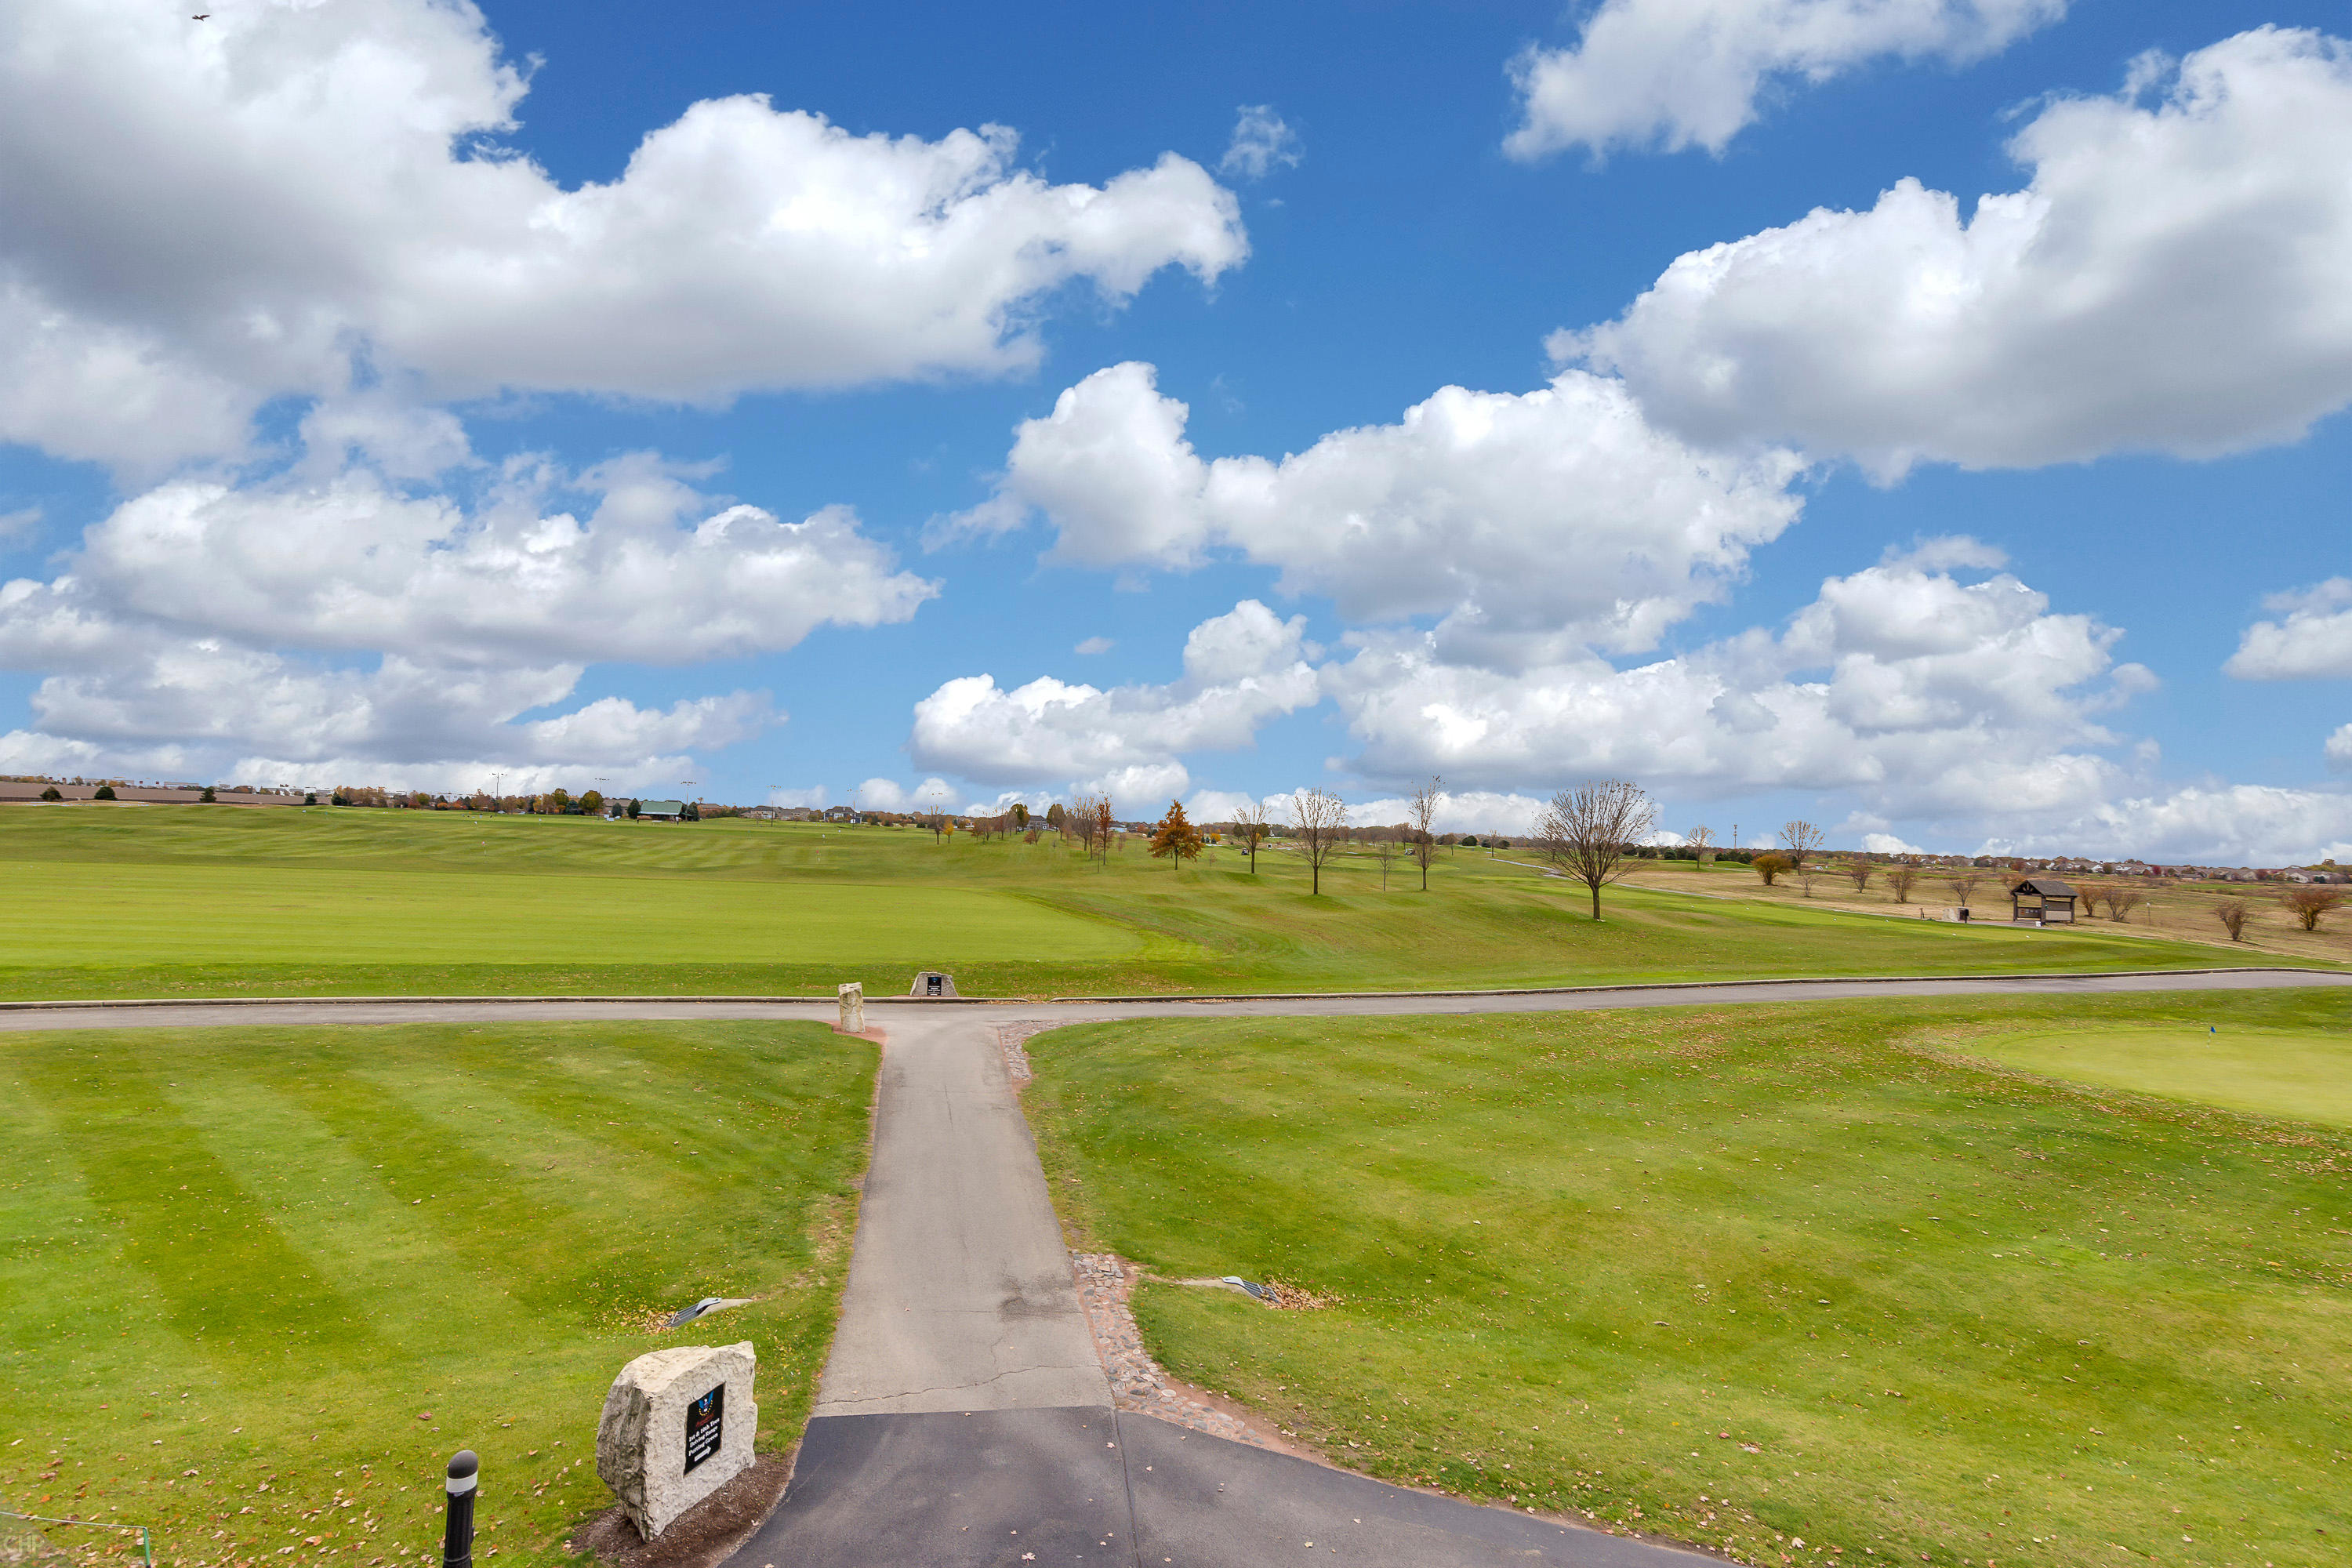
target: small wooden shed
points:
(2043, 901)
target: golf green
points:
(2299, 1075)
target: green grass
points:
(240, 1266)
(1741, 1276)
(60, 915)
(195, 901)
(2284, 1073)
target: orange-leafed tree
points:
(1174, 837)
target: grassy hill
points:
(211, 900)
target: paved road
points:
(965, 1418)
(476, 1010)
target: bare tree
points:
(2087, 898)
(1701, 839)
(1106, 826)
(2232, 914)
(1860, 872)
(1250, 822)
(2122, 901)
(1384, 846)
(2307, 904)
(1900, 878)
(1587, 829)
(1963, 885)
(1423, 809)
(1320, 818)
(1799, 839)
(1805, 874)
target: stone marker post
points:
(678, 1426)
(853, 1009)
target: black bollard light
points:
(458, 1540)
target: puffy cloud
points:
(1888, 843)
(224, 711)
(813, 797)
(1240, 668)
(2170, 280)
(1529, 521)
(313, 627)
(889, 794)
(2338, 750)
(1923, 694)
(2210, 823)
(199, 218)
(1092, 645)
(1672, 74)
(349, 564)
(1467, 811)
(2315, 640)
(1262, 144)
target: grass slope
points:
(256, 1286)
(192, 900)
(1740, 1277)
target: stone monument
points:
(853, 1009)
(678, 1426)
(931, 982)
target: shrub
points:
(207, 797)
(2232, 914)
(105, 791)
(52, 793)
(1769, 866)
(310, 797)
(2307, 904)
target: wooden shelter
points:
(2043, 901)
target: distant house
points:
(661, 810)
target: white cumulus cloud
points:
(1919, 693)
(1525, 520)
(1241, 669)
(2313, 641)
(195, 219)
(338, 622)
(1672, 74)
(2170, 281)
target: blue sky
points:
(371, 408)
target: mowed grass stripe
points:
(394, 1187)
(1571, 1252)
(63, 913)
(483, 1323)
(208, 1239)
